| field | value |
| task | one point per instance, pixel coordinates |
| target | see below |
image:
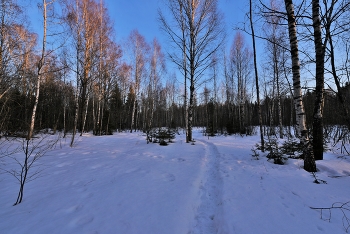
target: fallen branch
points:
(343, 207)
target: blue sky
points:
(142, 15)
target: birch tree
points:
(139, 50)
(83, 20)
(10, 17)
(23, 59)
(319, 99)
(108, 56)
(40, 65)
(309, 160)
(335, 20)
(275, 46)
(157, 67)
(240, 57)
(197, 34)
(27, 163)
(177, 33)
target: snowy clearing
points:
(121, 184)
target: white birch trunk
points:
(40, 66)
(309, 160)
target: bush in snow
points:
(163, 136)
(275, 153)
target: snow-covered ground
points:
(120, 184)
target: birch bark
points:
(309, 160)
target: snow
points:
(121, 184)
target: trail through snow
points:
(209, 214)
(121, 184)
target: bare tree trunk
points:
(25, 166)
(203, 29)
(318, 115)
(190, 111)
(215, 118)
(279, 109)
(98, 128)
(309, 160)
(40, 66)
(107, 125)
(64, 118)
(85, 115)
(256, 79)
(133, 115)
(185, 86)
(192, 48)
(94, 116)
(101, 117)
(76, 114)
(340, 94)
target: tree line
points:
(81, 79)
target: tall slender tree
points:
(319, 99)
(309, 160)
(26, 165)
(256, 76)
(139, 50)
(40, 66)
(240, 57)
(203, 35)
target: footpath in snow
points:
(121, 184)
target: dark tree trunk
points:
(190, 112)
(317, 115)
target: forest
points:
(74, 77)
(252, 117)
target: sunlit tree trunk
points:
(139, 51)
(84, 115)
(25, 165)
(40, 65)
(78, 48)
